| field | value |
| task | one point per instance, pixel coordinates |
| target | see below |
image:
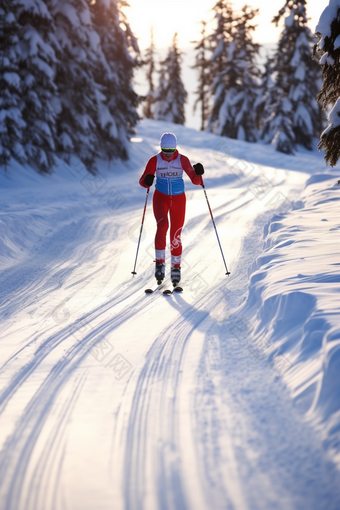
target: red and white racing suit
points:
(169, 197)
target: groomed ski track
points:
(197, 422)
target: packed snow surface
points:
(224, 396)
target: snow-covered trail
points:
(111, 398)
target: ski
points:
(178, 288)
(154, 288)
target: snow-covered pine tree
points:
(328, 32)
(202, 64)
(219, 42)
(11, 122)
(32, 59)
(236, 86)
(79, 94)
(262, 103)
(117, 101)
(170, 96)
(293, 117)
(149, 62)
(160, 106)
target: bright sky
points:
(169, 16)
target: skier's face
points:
(168, 155)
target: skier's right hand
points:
(148, 180)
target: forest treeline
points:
(67, 67)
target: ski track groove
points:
(207, 430)
(145, 431)
(26, 432)
(32, 284)
(37, 496)
(13, 469)
(50, 343)
(53, 451)
(162, 367)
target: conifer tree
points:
(262, 103)
(149, 61)
(202, 64)
(11, 122)
(78, 91)
(117, 102)
(328, 48)
(29, 91)
(38, 92)
(236, 86)
(170, 96)
(160, 95)
(219, 42)
(294, 116)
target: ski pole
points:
(141, 229)
(218, 239)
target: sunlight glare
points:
(184, 17)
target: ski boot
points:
(175, 275)
(160, 272)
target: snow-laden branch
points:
(328, 48)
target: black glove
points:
(199, 170)
(148, 179)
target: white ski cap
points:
(168, 141)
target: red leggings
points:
(162, 205)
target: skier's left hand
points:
(199, 170)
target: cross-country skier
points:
(169, 197)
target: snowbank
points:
(293, 304)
